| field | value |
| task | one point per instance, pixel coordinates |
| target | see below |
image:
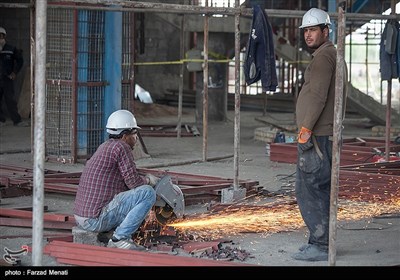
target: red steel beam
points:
(14, 222)
(66, 183)
(8, 212)
(127, 257)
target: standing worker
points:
(314, 117)
(11, 62)
(111, 193)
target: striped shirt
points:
(109, 171)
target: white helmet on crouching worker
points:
(315, 17)
(119, 121)
(2, 30)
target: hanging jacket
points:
(260, 53)
(389, 51)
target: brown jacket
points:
(315, 102)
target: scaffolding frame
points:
(40, 59)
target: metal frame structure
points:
(39, 62)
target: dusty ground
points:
(372, 241)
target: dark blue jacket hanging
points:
(260, 53)
(389, 52)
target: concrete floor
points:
(370, 241)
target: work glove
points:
(153, 180)
(304, 139)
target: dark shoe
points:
(125, 244)
(311, 253)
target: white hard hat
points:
(119, 121)
(2, 30)
(314, 17)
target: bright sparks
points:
(268, 220)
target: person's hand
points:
(304, 135)
(151, 179)
(304, 139)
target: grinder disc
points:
(163, 214)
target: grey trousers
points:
(313, 184)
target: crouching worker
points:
(111, 193)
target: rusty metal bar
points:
(9, 212)
(14, 222)
(337, 133)
(351, 152)
(204, 189)
(388, 118)
(114, 256)
(389, 100)
(391, 167)
(376, 180)
(167, 130)
(67, 183)
(75, 86)
(236, 144)
(205, 87)
(132, 76)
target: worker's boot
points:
(311, 253)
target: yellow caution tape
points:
(201, 61)
(183, 61)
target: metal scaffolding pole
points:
(237, 101)
(388, 119)
(389, 105)
(205, 87)
(182, 70)
(39, 132)
(337, 132)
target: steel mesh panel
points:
(91, 46)
(127, 98)
(58, 121)
(128, 93)
(75, 92)
(61, 100)
(92, 118)
(59, 44)
(90, 99)
(59, 97)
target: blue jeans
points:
(125, 212)
(313, 185)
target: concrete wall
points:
(219, 44)
(161, 45)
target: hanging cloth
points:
(260, 53)
(389, 51)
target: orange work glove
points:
(304, 135)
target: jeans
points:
(313, 185)
(125, 212)
(7, 91)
